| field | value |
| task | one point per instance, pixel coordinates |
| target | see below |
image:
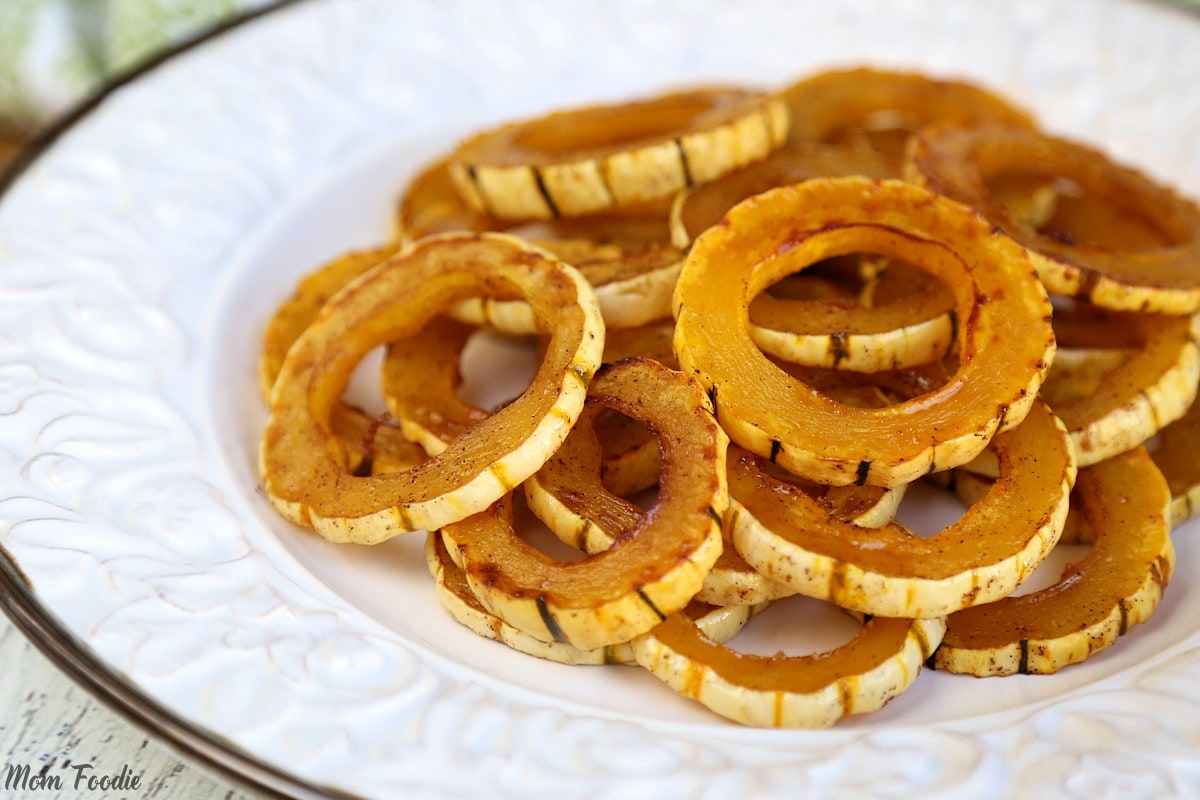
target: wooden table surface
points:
(48, 722)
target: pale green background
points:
(54, 52)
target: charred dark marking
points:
(683, 162)
(845, 697)
(864, 471)
(541, 186)
(1124, 626)
(839, 347)
(734, 515)
(1160, 572)
(582, 374)
(581, 537)
(923, 641)
(552, 626)
(602, 171)
(712, 398)
(1023, 661)
(1153, 409)
(405, 518)
(837, 580)
(473, 175)
(953, 331)
(776, 449)
(650, 603)
(1088, 281)
(1003, 417)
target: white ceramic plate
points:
(142, 250)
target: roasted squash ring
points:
(1117, 585)
(651, 572)
(567, 495)
(431, 204)
(1152, 386)
(812, 691)
(420, 379)
(305, 468)
(702, 206)
(573, 495)
(626, 257)
(913, 329)
(372, 444)
(586, 160)
(888, 571)
(633, 284)
(301, 309)
(906, 318)
(877, 110)
(1175, 455)
(1005, 340)
(631, 458)
(719, 623)
(1159, 276)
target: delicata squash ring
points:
(1151, 387)
(626, 256)
(586, 160)
(813, 691)
(959, 161)
(652, 571)
(716, 622)
(304, 466)
(1004, 337)
(567, 495)
(877, 109)
(911, 329)
(1123, 501)
(889, 571)
(373, 444)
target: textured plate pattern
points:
(126, 449)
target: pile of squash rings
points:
(766, 314)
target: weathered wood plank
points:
(50, 728)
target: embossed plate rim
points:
(39, 622)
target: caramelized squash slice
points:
(586, 160)
(1123, 502)
(812, 691)
(1005, 341)
(652, 571)
(877, 110)
(305, 468)
(1134, 246)
(718, 623)
(1151, 384)
(889, 571)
